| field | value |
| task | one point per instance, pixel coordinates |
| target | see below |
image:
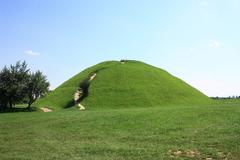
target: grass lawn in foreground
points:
(176, 132)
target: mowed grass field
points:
(166, 132)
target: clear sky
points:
(195, 40)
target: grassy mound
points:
(125, 85)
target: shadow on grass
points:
(14, 110)
(70, 104)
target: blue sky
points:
(196, 40)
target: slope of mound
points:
(124, 85)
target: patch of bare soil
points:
(77, 95)
(194, 154)
(188, 153)
(45, 109)
(223, 155)
(92, 77)
(81, 107)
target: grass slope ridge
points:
(132, 84)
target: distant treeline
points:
(229, 97)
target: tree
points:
(13, 83)
(3, 94)
(17, 84)
(36, 87)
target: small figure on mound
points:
(123, 61)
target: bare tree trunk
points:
(10, 105)
(30, 102)
(29, 105)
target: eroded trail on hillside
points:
(82, 92)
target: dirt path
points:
(81, 107)
(92, 77)
(78, 94)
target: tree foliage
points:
(17, 84)
(37, 86)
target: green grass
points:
(120, 134)
(124, 86)
(134, 111)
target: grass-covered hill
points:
(143, 127)
(123, 85)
